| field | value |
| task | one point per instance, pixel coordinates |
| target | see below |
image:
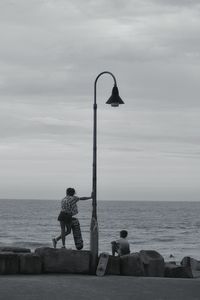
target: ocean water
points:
(167, 227)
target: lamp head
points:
(115, 99)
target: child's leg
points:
(114, 248)
(68, 228)
(63, 233)
(62, 226)
(68, 231)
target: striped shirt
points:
(69, 205)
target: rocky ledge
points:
(148, 263)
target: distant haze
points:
(51, 52)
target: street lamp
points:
(114, 101)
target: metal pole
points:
(94, 231)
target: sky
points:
(50, 55)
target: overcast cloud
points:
(51, 52)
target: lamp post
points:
(114, 101)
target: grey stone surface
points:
(131, 265)
(191, 262)
(30, 263)
(196, 273)
(15, 249)
(153, 262)
(113, 267)
(64, 260)
(9, 263)
(176, 271)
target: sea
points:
(170, 228)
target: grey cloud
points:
(49, 59)
(31, 125)
(182, 3)
(51, 52)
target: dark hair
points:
(123, 233)
(70, 191)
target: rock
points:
(175, 271)
(15, 249)
(196, 273)
(172, 262)
(30, 263)
(9, 263)
(153, 263)
(131, 265)
(113, 267)
(64, 260)
(193, 264)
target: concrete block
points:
(113, 267)
(30, 263)
(15, 249)
(64, 260)
(196, 273)
(175, 271)
(154, 265)
(193, 264)
(131, 265)
(9, 263)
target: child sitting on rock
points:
(121, 246)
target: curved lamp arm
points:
(94, 177)
(95, 83)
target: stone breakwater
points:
(146, 263)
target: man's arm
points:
(85, 198)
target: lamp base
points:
(94, 244)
